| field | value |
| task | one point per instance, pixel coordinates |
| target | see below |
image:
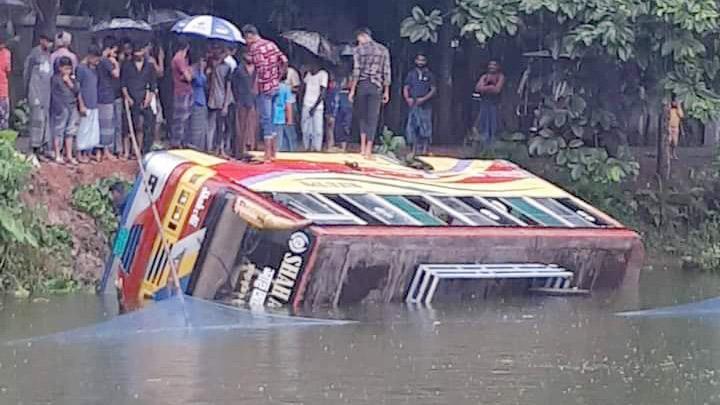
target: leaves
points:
(420, 26)
(96, 201)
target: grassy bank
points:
(34, 254)
(55, 223)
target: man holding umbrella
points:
(270, 66)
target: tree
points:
(670, 43)
(46, 12)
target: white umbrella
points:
(209, 27)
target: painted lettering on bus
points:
(330, 184)
(284, 283)
(152, 183)
(199, 207)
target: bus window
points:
(537, 213)
(510, 210)
(571, 205)
(318, 209)
(485, 207)
(414, 211)
(380, 209)
(463, 213)
(574, 218)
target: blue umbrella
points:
(209, 27)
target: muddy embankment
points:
(50, 189)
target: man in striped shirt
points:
(370, 87)
(270, 67)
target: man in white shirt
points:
(316, 84)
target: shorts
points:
(65, 123)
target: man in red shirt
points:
(183, 94)
(270, 67)
(5, 69)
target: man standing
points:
(270, 66)
(5, 69)
(138, 87)
(488, 90)
(108, 72)
(316, 84)
(419, 89)
(244, 93)
(370, 86)
(37, 74)
(219, 100)
(88, 136)
(183, 94)
(63, 40)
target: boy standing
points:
(108, 72)
(316, 84)
(64, 109)
(283, 118)
(219, 100)
(676, 116)
(88, 137)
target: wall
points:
(77, 26)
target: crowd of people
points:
(224, 98)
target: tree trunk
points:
(46, 17)
(663, 145)
(444, 128)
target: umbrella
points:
(13, 5)
(314, 42)
(164, 18)
(117, 24)
(10, 8)
(209, 27)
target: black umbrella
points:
(314, 42)
(165, 18)
(10, 8)
(121, 24)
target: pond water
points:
(525, 350)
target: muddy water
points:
(522, 351)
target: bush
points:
(96, 201)
(32, 253)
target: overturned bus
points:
(316, 229)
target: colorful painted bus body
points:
(364, 226)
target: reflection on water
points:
(523, 351)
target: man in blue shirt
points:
(418, 90)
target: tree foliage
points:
(673, 43)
